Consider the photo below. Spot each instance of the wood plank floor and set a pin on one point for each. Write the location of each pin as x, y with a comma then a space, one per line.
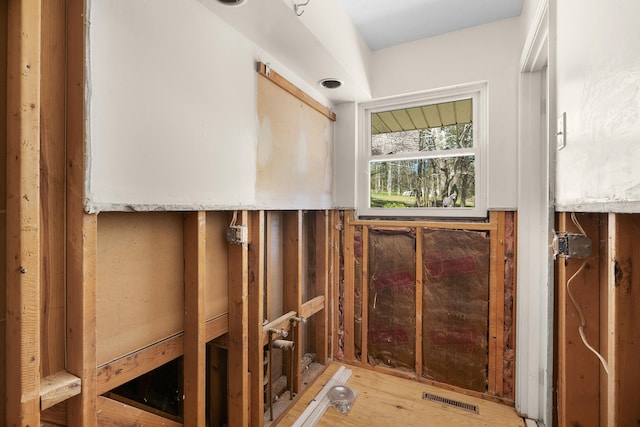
385, 400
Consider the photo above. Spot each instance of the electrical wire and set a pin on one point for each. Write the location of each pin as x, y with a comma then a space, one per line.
583, 323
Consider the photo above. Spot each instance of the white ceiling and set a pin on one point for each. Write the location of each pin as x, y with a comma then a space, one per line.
323, 42
385, 23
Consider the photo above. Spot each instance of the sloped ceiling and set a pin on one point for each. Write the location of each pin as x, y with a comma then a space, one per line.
337, 38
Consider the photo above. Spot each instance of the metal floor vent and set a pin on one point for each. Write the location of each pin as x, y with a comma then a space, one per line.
450, 402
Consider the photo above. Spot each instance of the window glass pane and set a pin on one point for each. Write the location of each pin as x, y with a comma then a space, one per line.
443, 126
423, 183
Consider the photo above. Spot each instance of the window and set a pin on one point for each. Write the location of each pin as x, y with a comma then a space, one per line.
424, 155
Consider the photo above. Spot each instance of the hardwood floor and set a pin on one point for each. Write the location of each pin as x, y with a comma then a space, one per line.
385, 400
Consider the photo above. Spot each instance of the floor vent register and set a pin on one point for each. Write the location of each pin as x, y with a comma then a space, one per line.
450, 402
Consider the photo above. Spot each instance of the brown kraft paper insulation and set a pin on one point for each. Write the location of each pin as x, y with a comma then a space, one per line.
392, 298
456, 307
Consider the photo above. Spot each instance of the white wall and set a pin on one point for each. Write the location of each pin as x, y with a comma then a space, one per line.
172, 120
598, 86
485, 53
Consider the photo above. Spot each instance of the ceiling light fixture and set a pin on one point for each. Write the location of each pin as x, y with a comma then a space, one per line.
330, 83
232, 2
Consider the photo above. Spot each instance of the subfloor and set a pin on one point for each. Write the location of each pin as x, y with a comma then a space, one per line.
385, 400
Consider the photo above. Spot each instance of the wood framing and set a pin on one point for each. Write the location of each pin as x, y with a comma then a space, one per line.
623, 319
238, 369
348, 290
496, 304
419, 301
57, 388
81, 228
292, 292
578, 370
194, 316
256, 315
364, 324
3, 204
23, 213
52, 185
321, 287
265, 71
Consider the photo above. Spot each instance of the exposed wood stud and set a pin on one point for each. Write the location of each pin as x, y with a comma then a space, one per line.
321, 285
623, 320
194, 318
238, 331
347, 304
364, 325
493, 303
23, 213
419, 300
578, 369
499, 303
256, 315
52, 185
81, 233
292, 292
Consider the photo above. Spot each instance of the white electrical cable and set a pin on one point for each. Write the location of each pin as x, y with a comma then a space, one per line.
578, 309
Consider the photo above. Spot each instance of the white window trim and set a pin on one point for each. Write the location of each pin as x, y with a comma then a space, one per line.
478, 93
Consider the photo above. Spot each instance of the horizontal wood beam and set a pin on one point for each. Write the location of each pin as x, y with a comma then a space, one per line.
285, 84
127, 368
452, 225
57, 388
312, 306
114, 413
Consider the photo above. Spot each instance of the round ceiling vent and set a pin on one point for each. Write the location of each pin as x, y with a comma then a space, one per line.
232, 2
330, 83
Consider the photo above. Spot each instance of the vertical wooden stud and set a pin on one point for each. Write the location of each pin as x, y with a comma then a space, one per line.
3, 205
624, 320
23, 213
194, 318
499, 306
322, 284
496, 303
419, 289
256, 315
292, 293
364, 327
603, 298
239, 331
81, 233
336, 249
348, 289
52, 185
578, 369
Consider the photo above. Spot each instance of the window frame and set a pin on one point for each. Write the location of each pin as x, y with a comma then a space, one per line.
477, 92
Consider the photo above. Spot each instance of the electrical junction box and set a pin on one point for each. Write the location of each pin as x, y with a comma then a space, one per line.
571, 245
238, 234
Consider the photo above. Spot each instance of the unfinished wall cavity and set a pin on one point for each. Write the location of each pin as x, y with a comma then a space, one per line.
431, 300
456, 307
391, 298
